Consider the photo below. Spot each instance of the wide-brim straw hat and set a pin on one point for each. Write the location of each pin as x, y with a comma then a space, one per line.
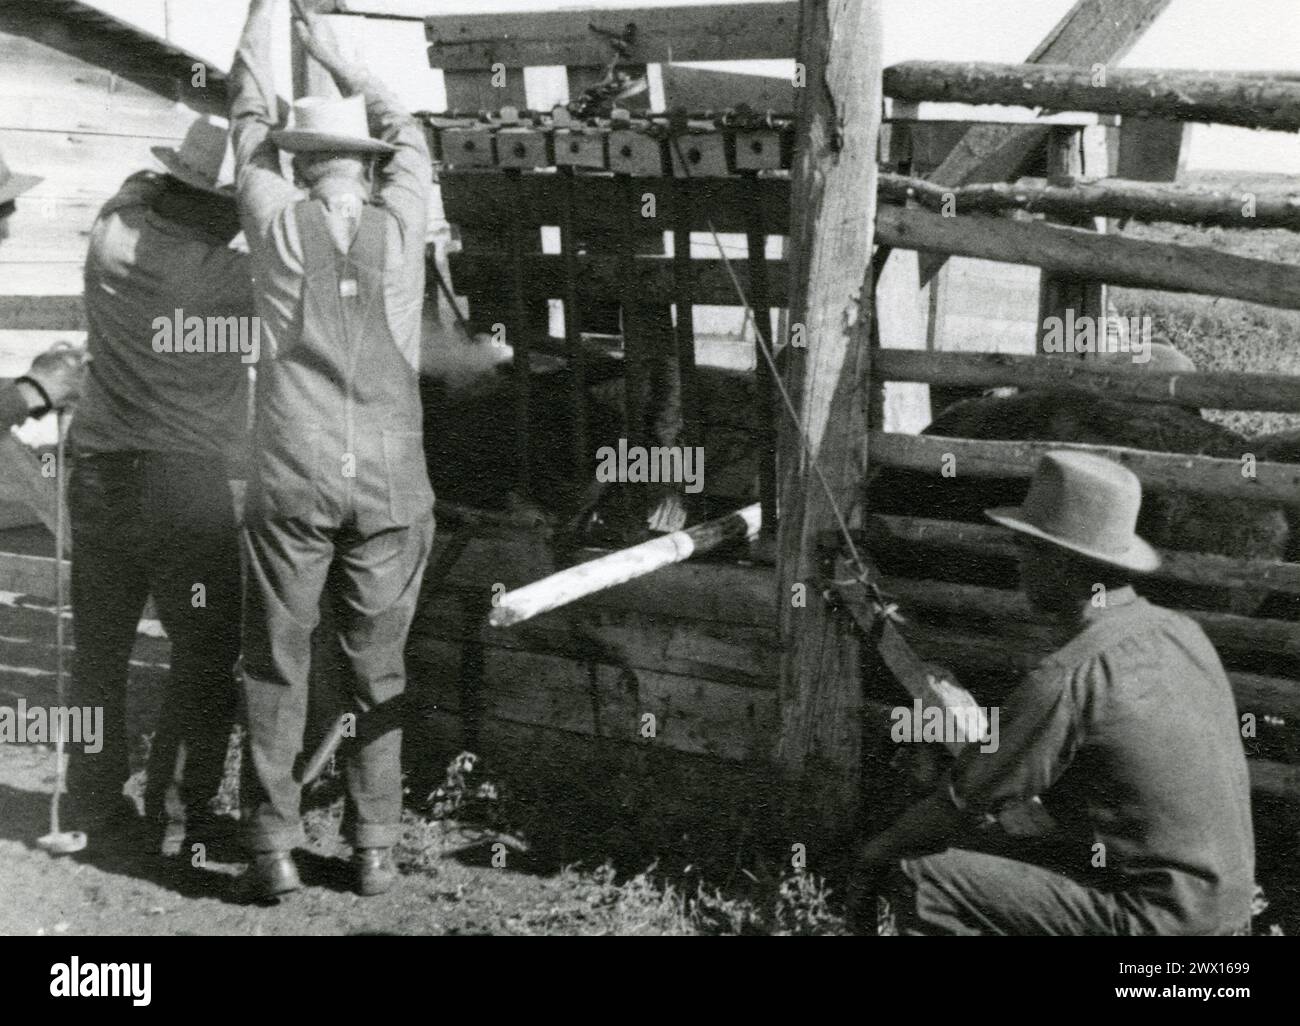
1086, 504
204, 160
12, 184
325, 125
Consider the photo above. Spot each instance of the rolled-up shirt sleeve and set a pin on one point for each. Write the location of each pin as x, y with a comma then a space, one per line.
1040, 731
406, 178
263, 190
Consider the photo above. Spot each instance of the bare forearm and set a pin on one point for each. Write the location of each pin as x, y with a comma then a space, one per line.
252, 93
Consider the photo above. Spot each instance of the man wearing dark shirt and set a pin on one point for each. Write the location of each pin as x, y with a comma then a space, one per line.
159, 437
1128, 734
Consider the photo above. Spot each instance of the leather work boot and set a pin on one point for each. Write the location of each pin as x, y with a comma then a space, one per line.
374, 870
271, 875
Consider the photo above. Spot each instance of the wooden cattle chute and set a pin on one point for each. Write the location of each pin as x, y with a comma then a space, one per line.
992, 631
711, 648
507, 177
694, 645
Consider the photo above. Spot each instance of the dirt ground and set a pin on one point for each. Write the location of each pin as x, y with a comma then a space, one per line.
448, 884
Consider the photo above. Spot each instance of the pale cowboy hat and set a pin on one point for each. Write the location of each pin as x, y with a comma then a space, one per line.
1086, 504
325, 125
204, 160
12, 184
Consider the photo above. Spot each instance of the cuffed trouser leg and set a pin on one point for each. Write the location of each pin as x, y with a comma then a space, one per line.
971, 893
378, 579
288, 562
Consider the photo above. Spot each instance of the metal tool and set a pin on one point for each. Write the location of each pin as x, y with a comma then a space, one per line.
58, 841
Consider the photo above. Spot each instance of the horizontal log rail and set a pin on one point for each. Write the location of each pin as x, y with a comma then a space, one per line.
999, 655
1142, 92
1117, 379
1105, 197
1164, 471
1086, 255
1207, 569
1229, 631
1262, 695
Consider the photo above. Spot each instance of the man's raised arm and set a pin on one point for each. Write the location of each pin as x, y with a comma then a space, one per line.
405, 178
263, 191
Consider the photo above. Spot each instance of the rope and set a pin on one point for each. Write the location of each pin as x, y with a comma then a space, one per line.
860, 565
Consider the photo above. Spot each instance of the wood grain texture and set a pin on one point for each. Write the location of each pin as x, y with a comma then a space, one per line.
1141, 92
468, 42
1092, 32
1198, 475
831, 238
1254, 575
1121, 379
1116, 260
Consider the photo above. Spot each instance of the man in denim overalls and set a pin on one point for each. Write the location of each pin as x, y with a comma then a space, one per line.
340, 498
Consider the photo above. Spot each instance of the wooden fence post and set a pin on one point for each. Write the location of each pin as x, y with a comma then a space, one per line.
1058, 296
833, 210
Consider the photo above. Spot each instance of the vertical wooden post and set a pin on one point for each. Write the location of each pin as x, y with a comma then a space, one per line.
831, 237
1057, 297
684, 297
520, 334
582, 458
764, 387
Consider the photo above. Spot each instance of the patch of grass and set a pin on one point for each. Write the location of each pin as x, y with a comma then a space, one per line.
1225, 334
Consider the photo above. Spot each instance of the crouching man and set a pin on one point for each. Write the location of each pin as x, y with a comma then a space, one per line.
1129, 734
339, 501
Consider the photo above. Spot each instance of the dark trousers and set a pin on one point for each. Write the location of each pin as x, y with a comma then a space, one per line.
161, 525
373, 581
962, 892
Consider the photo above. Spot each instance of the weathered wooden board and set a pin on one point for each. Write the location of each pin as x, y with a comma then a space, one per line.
483, 200
1117, 260
41, 313
469, 42
1147, 201
705, 89
1238, 638
1201, 475
691, 715
1257, 575
79, 53
1092, 32
1151, 149
723, 591
600, 277
738, 654
1227, 390
1142, 92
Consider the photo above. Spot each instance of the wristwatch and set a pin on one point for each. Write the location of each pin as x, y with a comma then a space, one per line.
40, 411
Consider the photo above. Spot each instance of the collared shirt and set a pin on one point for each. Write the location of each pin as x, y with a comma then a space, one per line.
1130, 734
143, 390
267, 201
